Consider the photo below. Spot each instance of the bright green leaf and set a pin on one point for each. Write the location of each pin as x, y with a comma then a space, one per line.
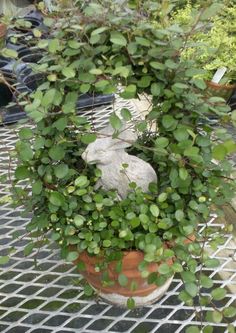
118, 39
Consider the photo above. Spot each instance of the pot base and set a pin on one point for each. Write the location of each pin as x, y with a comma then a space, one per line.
121, 300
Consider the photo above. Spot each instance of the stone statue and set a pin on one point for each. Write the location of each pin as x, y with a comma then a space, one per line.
118, 168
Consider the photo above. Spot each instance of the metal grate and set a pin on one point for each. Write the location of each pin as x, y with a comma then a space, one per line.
47, 297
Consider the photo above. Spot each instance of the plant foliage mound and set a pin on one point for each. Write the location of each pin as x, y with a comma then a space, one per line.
96, 48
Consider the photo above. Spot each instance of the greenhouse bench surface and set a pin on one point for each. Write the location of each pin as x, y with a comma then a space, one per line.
45, 296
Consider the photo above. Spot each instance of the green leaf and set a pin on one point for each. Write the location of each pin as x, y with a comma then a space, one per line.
229, 311
4, 260
84, 88
56, 198
180, 85
88, 290
183, 173
188, 276
206, 282
219, 152
101, 84
135, 222
68, 72
145, 81
155, 89
72, 256
171, 64
168, 121
179, 215
217, 316
81, 181
25, 133
54, 45
208, 329
193, 329
81, 266
90, 78
191, 289
88, 138
203, 141
99, 31
157, 65
176, 267
231, 328
192, 151
144, 218
181, 134
212, 263
55, 236
28, 249
218, 294
123, 280
162, 142
129, 92
48, 98
37, 187
60, 124
164, 269
200, 83
79, 220
115, 121
22, 172
185, 297
56, 153
37, 116
210, 11
162, 197
9, 53
126, 114
106, 243
25, 151
70, 230
130, 303
230, 146
74, 44
154, 210
143, 41
61, 170
95, 71
118, 39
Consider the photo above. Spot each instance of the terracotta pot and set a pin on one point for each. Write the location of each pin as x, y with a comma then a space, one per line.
221, 90
3, 30
116, 294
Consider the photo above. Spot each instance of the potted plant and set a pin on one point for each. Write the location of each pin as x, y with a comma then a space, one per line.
216, 53
96, 48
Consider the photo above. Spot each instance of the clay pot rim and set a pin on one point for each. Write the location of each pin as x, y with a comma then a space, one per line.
220, 86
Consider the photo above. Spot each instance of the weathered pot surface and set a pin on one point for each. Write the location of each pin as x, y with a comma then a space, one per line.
116, 294
221, 90
3, 30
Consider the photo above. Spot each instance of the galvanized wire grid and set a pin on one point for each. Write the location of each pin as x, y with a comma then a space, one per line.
47, 297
